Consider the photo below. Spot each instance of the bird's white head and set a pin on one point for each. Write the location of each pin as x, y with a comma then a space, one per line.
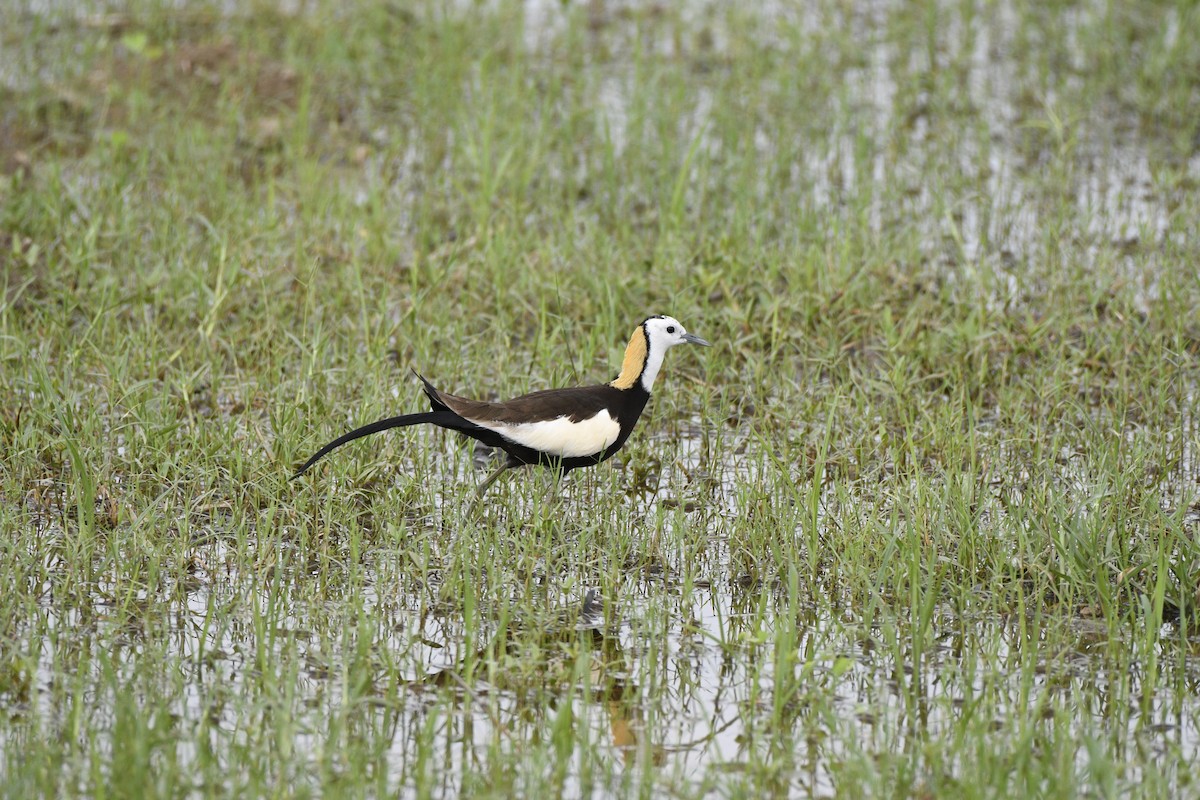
650, 342
665, 332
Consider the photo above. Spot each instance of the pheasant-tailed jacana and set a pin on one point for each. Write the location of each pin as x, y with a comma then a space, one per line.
562, 428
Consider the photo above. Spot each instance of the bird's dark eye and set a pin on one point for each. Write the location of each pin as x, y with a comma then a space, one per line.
670, 329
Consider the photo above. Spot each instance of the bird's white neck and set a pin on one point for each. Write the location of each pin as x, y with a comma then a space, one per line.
654, 360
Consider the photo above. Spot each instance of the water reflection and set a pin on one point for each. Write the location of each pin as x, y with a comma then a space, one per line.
608, 683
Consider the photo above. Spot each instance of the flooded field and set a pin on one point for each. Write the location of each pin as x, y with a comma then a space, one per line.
923, 523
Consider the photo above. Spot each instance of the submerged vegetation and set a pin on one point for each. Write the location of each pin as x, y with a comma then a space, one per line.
922, 523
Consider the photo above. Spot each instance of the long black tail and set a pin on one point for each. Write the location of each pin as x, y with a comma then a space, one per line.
436, 417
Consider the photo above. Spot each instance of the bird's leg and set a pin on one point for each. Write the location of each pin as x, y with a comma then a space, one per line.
490, 479
555, 489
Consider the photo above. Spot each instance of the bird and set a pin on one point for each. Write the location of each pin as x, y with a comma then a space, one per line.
565, 429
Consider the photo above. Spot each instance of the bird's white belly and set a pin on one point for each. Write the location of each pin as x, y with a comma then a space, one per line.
561, 437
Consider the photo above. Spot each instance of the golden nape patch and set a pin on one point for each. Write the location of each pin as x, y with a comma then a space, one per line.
634, 361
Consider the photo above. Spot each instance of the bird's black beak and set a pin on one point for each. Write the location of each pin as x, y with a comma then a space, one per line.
692, 338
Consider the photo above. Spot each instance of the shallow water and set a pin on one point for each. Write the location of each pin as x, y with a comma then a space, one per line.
676, 683
677, 673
